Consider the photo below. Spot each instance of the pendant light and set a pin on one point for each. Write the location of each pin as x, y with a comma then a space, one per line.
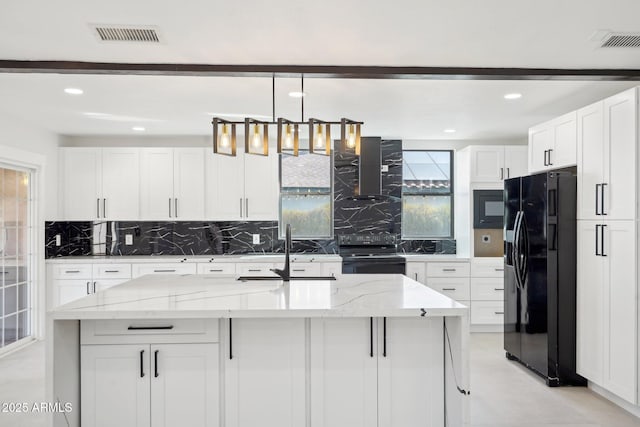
319, 137
350, 136
256, 142
224, 137
288, 139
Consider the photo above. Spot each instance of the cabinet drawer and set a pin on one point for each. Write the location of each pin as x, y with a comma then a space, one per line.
487, 269
111, 271
454, 288
306, 269
217, 268
72, 271
144, 331
262, 269
487, 289
331, 269
447, 269
487, 312
138, 270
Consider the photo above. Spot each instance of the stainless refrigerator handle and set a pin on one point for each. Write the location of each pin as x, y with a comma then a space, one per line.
597, 244
597, 192
602, 240
523, 251
514, 252
602, 198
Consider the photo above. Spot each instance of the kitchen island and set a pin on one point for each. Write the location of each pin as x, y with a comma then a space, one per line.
204, 350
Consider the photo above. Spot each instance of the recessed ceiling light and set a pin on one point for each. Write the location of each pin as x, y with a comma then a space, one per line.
73, 91
513, 96
450, 130
297, 94
138, 128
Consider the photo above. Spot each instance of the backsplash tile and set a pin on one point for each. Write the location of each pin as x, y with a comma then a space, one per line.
76, 238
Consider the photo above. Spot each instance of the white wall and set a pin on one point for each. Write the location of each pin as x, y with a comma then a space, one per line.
456, 144
136, 141
18, 134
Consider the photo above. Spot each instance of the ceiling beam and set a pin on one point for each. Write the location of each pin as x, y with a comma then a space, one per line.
319, 71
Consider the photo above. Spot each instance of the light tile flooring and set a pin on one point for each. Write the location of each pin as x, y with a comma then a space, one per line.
502, 392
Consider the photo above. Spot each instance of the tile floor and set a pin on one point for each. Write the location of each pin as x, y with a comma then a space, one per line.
503, 394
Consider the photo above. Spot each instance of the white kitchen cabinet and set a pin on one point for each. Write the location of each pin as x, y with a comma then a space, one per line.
607, 152
495, 163
244, 187
150, 385
306, 269
100, 183
141, 269
456, 288
67, 290
487, 292
553, 144
172, 182
607, 306
351, 359
216, 268
416, 270
265, 376
255, 269
331, 269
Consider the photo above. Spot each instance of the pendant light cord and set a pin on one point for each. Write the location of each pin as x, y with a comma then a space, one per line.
273, 97
302, 97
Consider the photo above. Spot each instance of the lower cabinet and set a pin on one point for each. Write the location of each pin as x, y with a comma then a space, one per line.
368, 372
264, 373
158, 385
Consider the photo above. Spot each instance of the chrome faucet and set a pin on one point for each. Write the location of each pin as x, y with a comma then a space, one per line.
285, 272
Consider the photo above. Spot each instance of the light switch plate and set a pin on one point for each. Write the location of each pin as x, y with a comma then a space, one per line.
256, 239
58, 240
128, 239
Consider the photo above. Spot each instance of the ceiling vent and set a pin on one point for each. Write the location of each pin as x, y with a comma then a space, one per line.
126, 33
621, 40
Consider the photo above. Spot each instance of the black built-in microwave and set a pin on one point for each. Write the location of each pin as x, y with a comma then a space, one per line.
488, 208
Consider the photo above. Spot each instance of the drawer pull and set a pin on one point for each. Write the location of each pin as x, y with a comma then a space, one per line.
252, 270
215, 270
299, 269
5, 272
498, 289
149, 328
165, 271
499, 312
72, 271
112, 271
499, 269
448, 289
448, 269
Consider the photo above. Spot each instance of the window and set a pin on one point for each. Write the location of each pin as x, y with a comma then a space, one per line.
305, 196
427, 194
16, 282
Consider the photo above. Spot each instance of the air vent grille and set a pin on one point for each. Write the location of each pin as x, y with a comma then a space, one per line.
127, 34
622, 40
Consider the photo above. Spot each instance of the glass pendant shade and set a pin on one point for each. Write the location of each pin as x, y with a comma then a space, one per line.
224, 137
319, 137
350, 136
255, 141
288, 141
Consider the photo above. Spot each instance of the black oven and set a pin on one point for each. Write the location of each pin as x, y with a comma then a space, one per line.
370, 254
488, 209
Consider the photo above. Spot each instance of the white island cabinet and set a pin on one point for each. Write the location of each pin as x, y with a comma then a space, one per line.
208, 350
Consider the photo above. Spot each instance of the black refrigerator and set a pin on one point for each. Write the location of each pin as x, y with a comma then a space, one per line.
540, 275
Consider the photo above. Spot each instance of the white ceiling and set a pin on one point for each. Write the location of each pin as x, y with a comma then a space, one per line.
465, 33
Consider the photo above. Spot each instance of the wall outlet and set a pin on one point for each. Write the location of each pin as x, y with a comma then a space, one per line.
128, 239
256, 239
58, 240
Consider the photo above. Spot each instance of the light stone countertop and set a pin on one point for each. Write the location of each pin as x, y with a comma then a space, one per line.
249, 258
214, 296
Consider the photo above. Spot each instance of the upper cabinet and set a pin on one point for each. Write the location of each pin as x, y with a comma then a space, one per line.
100, 183
495, 163
172, 183
607, 158
552, 145
244, 187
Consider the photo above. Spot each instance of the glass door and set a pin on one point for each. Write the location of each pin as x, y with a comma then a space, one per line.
16, 255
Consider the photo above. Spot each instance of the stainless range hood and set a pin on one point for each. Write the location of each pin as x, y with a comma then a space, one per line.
370, 169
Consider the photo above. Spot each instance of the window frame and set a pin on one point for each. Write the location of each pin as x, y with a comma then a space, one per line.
450, 194
281, 231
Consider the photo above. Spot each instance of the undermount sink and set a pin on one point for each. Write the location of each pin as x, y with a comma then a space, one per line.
247, 278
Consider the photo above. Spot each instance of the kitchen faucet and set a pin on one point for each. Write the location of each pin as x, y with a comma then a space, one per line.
285, 272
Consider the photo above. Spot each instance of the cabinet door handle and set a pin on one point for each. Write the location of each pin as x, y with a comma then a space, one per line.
384, 337
550, 164
602, 198
240, 207
597, 193
246, 207
141, 363
175, 211
94, 287
298, 269
602, 241
149, 328
499, 269
448, 289
104, 208
597, 244
169, 207
416, 274
165, 271
98, 208
499, 312
501, 173
230, 339
508, 174
498, 289
155, 363
448, 269
545, 158
112, 271
371, 337
215, 270
254, 270
72, 271
88, 288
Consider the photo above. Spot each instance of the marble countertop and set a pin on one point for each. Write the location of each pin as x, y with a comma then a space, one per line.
214, 296
195, 258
